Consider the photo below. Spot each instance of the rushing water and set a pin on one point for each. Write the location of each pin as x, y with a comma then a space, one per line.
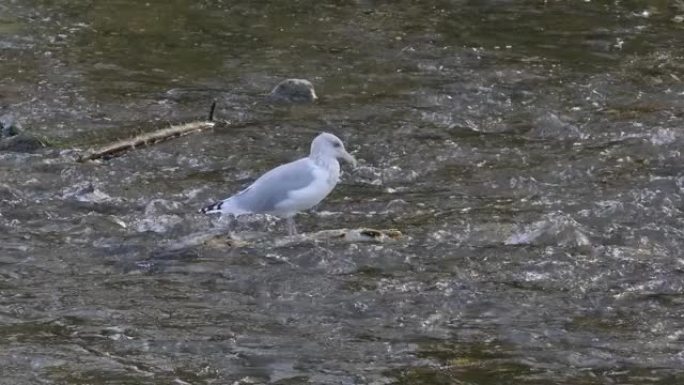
530, 152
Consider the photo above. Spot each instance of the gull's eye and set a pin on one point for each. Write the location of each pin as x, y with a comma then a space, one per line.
337, 144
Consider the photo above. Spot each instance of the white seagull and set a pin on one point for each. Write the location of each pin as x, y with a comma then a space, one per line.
293, 187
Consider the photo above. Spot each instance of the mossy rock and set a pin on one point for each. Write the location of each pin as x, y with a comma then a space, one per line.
22, 142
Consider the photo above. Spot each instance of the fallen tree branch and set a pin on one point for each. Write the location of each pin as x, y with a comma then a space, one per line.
118, 148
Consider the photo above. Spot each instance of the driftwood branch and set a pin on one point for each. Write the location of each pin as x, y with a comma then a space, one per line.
118, 148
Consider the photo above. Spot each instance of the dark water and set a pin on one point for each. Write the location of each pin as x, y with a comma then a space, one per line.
530, 151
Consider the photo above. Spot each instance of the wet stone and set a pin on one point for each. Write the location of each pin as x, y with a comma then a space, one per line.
13, 139
8, 126
551, 126
293, 91
22, 142
554, 229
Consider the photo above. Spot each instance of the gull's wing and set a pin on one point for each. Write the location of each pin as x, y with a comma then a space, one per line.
272, 188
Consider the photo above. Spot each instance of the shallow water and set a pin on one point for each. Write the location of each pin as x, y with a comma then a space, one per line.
529, 151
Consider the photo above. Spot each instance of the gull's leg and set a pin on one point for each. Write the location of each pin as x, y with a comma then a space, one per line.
231, 223
291, 229
225, 223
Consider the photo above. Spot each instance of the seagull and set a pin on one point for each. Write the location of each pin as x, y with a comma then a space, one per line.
290, 188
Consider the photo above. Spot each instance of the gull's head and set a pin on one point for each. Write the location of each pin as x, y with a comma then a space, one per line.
294, 91
328, 145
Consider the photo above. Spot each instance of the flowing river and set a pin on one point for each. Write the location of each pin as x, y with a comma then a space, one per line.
528, 151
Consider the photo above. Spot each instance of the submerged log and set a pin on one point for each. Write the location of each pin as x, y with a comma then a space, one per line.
355, 235
219, 239
118, 148
362, 235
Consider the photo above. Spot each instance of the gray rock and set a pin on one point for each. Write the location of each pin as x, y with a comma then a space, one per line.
14, 139
550, 126
556, 229
293, 91
21, 142
8, 126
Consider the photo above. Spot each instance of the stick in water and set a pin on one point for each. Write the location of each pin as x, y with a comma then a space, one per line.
211, 111
118, 148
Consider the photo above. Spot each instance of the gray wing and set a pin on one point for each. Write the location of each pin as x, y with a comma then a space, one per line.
274, 186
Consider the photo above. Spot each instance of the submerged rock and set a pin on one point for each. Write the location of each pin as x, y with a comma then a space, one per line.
22, 142
85, 192
293, 91
550, 126
12, 139
555, 230
8, 126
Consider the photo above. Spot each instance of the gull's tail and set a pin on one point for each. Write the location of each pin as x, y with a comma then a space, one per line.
212, 208
226, 206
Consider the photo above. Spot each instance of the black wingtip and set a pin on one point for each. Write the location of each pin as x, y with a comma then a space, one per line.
211, 208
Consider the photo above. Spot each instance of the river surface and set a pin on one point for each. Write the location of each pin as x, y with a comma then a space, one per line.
529, 151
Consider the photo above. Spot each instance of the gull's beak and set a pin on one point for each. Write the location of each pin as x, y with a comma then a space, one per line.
314, 97
349, 159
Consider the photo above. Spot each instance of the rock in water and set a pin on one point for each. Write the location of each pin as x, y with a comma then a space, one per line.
556, 229
293, 91
13, 139
8, 126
